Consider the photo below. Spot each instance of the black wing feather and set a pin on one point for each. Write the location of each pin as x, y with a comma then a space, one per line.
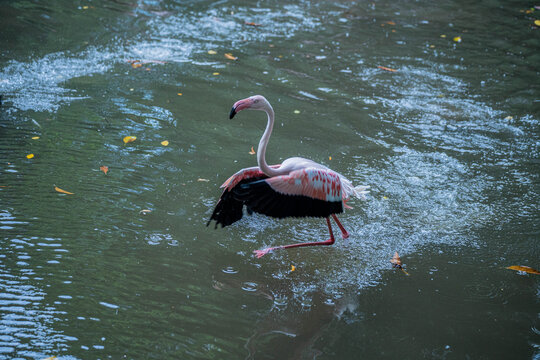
228, 210
260, 197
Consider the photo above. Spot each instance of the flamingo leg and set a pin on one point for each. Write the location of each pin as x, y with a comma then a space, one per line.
344, 233
261, 253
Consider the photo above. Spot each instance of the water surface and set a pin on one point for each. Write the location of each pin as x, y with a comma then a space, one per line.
449, 144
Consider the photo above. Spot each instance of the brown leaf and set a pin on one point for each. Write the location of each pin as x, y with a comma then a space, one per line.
62, 191
390, 22
526, 269
386, 68
396, 260
252, 151
251, 24
105, 169
230, 56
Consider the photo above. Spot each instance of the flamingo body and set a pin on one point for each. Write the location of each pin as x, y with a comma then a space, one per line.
297, 188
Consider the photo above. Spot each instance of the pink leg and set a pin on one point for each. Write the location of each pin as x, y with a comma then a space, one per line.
344, 233
261, 253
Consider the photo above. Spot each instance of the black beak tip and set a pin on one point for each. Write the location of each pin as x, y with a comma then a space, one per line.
233, 112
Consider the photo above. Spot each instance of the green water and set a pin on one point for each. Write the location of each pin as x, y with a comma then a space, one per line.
449, 144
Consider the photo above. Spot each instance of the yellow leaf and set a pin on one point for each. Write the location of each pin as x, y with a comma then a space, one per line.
457, 39
443, 36
230, 56
329, 158
537, 22
293, 268
202, 180
385, 197
212, 52
105, 169
165, 142
390, 22
297, 111
50, 358
136, 65
29, 156
252, 151
216, 73
509, 117
526, 269
179, 94
35, 137
62, 191
386, 68
129, 139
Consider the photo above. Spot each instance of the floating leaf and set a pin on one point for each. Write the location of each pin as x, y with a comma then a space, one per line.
203, 180
329, 158
386, 68
105, 169
293, 268
216, 73
457, 39
526, 269
443, 36
165, 143
145, 212
230, 56
52, 357
129, 139
537, 22
212, 52
35, 137
251, 24
390, 22
136, 65
179, 94
252, 151
396, 260
62, 191
29, 156
296, 111
509, 117
385, 197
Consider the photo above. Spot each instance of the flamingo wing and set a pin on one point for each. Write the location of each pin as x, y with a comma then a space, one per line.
306, 192
228, 209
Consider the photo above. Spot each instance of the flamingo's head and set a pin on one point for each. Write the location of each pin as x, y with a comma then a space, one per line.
255, 102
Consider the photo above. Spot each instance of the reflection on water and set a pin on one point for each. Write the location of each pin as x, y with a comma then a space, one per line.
448, 143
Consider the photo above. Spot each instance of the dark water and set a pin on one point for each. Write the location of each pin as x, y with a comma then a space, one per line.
449, 144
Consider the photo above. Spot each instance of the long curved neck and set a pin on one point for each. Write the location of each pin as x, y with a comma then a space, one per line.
261, 151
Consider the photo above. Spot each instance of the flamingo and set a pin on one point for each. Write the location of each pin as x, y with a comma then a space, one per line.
296, 188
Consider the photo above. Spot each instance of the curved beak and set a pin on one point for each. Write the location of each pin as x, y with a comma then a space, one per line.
232, 113
239, 106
